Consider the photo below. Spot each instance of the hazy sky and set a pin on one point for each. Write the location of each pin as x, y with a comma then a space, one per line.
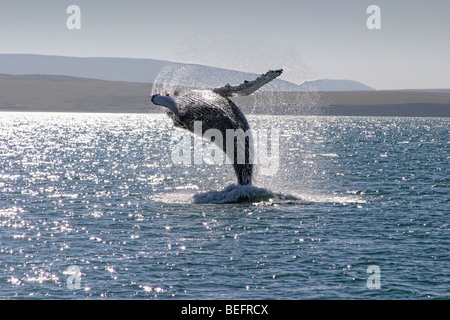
310, 39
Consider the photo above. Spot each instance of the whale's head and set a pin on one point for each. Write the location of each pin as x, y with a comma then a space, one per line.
169, 103
166, 101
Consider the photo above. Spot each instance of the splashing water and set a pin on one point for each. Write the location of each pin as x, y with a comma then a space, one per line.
177, 78
171, 78
239, 194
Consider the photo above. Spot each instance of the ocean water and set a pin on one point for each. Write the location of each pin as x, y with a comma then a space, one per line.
92, 206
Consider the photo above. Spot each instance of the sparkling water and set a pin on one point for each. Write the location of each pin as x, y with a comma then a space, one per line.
93, 207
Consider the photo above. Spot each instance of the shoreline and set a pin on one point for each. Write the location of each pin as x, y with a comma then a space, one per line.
444, 114
47, 93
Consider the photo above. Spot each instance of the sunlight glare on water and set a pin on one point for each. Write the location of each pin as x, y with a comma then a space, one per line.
96, 197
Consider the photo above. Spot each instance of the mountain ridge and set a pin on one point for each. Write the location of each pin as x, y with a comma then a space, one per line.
334, 85
148, 71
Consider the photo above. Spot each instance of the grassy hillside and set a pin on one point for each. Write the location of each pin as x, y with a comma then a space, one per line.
69, 94
62, 93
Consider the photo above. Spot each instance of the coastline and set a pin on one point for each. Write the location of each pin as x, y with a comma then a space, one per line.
48, 93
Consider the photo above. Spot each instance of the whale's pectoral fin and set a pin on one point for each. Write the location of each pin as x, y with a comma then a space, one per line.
248, 87
165, 101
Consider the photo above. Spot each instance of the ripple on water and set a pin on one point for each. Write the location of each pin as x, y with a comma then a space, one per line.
100, 193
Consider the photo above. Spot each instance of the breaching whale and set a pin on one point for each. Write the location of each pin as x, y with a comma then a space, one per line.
215, 110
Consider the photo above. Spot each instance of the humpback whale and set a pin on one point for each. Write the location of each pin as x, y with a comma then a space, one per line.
215, 110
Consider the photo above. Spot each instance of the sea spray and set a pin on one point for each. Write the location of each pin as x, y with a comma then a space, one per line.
239, 194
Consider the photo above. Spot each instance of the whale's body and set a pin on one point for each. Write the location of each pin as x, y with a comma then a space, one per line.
214, 109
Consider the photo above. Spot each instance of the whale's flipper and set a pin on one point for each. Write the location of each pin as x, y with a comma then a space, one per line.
248, 87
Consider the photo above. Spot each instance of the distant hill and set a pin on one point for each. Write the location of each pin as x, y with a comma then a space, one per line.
334, 85
55, 83
112, 69
70, 94
148, 70
130, 70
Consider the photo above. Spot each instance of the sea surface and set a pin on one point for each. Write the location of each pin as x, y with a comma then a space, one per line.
93, 206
